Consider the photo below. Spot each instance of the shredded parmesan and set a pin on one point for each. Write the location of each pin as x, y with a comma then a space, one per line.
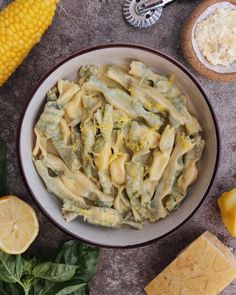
216, 37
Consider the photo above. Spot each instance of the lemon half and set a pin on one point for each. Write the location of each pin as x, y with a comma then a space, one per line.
18, 225
227, 205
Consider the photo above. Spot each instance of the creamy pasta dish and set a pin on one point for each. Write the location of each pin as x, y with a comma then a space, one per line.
119, 146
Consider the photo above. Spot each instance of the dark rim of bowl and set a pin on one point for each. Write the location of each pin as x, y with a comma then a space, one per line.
150, 50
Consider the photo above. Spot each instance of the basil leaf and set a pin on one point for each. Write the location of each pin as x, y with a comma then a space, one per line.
3, 292
38, 287
28, 265
84, 291
2, 289
11, 268
56, 272
68, 273
2, 167
71, 289
88, 258
83, 255
10, 289
44, 287
68, 253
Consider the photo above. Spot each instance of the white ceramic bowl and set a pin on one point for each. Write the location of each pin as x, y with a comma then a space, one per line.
199, 106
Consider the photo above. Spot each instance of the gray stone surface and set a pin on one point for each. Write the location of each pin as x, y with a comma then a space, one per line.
79, 24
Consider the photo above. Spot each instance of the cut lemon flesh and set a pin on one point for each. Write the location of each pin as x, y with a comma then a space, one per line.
18, 225
227, 205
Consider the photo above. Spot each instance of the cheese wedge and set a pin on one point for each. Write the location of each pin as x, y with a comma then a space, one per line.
206, 267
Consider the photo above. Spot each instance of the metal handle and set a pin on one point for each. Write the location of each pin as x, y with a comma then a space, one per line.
148, 5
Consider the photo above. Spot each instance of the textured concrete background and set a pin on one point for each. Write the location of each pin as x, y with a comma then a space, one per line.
79, 24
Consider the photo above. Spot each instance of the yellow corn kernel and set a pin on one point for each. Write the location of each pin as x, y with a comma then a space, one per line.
227, 205
22, 24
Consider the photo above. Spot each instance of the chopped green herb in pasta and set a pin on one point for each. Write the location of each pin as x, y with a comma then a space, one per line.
119, 148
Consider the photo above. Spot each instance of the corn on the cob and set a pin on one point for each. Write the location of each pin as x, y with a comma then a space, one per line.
22, 24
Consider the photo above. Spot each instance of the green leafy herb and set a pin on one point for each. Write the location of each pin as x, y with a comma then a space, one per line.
68, 272
55, 272
11, 268
83, 255
2, 167
234, 175
10, 289
72, 289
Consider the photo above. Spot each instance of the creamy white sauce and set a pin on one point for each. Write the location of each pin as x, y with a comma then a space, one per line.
210, 10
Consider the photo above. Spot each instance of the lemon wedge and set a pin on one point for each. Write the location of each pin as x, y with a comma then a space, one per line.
18, 223
227, 205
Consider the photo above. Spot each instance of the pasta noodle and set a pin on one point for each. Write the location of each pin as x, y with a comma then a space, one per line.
120, 147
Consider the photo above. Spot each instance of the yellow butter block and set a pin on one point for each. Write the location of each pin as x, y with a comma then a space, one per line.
205, 267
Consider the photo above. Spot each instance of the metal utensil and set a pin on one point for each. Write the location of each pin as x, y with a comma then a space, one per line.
143, 13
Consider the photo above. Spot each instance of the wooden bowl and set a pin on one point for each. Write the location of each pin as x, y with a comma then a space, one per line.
189, 51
